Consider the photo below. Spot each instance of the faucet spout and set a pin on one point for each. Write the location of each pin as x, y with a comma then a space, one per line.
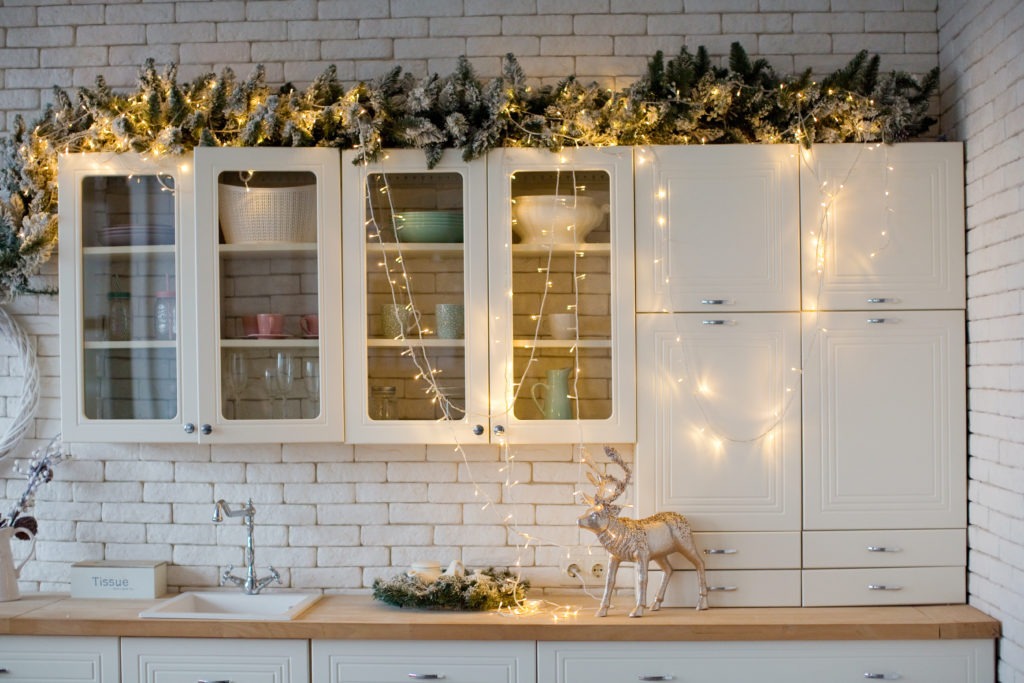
251, 584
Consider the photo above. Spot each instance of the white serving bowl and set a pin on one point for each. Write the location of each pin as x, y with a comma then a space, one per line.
555, 219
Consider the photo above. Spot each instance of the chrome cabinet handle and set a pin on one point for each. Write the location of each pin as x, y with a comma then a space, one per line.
713, 302
426, 677
713, 322
720, 551
189, 428
205, 680
881, 300
883, 587
882, 677
3, 670
884, 549
721, 589
656, 677
880, 321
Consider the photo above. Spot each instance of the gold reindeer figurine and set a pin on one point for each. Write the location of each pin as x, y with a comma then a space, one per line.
637, 540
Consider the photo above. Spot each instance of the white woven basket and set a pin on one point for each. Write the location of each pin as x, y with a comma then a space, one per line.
268, 214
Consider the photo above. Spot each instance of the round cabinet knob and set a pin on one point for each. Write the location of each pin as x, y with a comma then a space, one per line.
189, 428
478, 429
205, 430
499, 429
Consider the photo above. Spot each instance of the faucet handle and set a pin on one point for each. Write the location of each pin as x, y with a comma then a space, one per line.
226, 576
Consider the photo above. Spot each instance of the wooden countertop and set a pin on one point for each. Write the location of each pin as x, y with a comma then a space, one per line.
359, 617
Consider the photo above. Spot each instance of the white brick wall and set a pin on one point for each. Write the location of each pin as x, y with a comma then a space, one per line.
333, 516
982, 104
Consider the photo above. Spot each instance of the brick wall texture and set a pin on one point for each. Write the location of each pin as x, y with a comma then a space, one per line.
983, 105
336, 516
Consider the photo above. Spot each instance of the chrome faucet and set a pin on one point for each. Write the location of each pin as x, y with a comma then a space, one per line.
250, 584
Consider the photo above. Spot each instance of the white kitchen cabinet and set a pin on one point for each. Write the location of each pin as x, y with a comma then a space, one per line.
54, 659
156, 344
884, 420
719, 419
718, 228
355, 661
884, 586
421, 240
187, 660
947, 661
883, 226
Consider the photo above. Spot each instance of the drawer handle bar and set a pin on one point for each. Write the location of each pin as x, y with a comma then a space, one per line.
3, 670
713, 302
884, 549
426, 677
880, 321
882, 677
656, 677
881, 300
714, 322
883, 587
720, 551
721, 589
204, 680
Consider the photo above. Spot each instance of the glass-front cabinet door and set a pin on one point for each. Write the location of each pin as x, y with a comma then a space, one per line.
561, 314
268, 305
125, 350
415, 244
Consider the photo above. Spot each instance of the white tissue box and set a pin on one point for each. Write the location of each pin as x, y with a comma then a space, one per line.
124, 579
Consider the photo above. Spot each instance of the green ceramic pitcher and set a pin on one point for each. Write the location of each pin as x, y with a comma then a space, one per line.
555, 404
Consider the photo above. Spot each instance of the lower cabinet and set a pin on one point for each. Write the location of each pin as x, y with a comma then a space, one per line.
54, 659
946, 661
215, 660
453, 661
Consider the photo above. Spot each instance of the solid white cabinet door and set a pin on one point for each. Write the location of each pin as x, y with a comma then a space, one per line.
187, 660
719, 419
53, 659
718, 227
357, 661
883, 226
884, 420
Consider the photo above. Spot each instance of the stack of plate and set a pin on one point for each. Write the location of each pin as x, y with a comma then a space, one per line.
429, 226
135, 235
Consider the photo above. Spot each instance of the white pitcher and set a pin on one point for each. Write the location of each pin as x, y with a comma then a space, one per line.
9, 572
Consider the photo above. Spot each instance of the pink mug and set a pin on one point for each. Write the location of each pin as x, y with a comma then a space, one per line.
249, 325
310, 325
270, 323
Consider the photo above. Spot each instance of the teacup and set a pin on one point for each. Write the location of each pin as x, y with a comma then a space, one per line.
561, 325
310, 325
270, 323
250, 326
397, 320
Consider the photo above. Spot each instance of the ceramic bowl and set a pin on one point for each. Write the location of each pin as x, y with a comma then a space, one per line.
555, 219
429, 226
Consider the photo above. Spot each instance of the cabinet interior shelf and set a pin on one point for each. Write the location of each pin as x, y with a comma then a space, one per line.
291, 343
415, 342
134, 344
539, 249
130, 252
243, 250
415, 247
562, 343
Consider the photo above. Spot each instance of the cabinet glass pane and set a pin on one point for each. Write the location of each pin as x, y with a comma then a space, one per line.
269, 295
415, 296
129, 297
561, 285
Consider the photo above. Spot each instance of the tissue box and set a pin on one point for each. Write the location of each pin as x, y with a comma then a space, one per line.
118, 579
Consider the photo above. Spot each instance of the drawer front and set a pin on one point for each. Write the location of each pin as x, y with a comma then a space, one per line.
35, 658
754, 550
951, 661
404, 661
739, 588
187, 660
895, 586
882, 548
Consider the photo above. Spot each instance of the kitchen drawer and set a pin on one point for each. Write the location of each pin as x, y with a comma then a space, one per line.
357, 661
886, 548
753, 550
729, 588
55, 659
884, 586
187, 660
951, 661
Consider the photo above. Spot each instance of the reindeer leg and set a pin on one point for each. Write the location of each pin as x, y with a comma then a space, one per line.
609, 586
666, 567
641, 584
688, 549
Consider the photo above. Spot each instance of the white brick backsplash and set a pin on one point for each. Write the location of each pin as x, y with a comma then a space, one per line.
397, 534
124, 470
489, 513
394, 28
324, 535
100, 492
352, 472
576, 45
373, 493
153, 513
491, 556
40, 37
188, 492
463, 493
290, 473
390, 454
421, 472
208, 472
337, 555
537, 25
362, 513
491, 45
109, 532
424, 513
327, 578
470, 534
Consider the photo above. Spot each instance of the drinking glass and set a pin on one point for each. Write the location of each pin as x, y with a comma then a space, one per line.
311, 375
236, 377
279, 379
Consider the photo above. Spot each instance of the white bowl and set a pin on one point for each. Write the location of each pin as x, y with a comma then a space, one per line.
555, 219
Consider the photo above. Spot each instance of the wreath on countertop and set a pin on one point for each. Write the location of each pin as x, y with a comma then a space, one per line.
682, 100
483, 590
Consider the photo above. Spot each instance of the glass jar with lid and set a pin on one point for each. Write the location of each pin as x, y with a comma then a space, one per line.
382, 403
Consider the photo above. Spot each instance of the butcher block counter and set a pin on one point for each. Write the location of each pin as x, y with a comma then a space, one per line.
359, 617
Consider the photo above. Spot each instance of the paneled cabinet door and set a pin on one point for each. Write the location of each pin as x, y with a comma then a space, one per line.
883, 226
561, 318
718, 228
416, 342
354, 661
719, 419
126, 236
187, 660
53, 659
884, 420
268, 302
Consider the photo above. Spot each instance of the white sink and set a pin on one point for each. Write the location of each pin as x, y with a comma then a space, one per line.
263, 607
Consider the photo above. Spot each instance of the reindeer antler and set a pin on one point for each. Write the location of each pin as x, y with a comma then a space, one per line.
620, 484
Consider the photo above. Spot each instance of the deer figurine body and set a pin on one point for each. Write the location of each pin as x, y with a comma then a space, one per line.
641, 541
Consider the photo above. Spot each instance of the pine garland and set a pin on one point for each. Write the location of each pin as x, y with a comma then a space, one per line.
486, 590
684, 100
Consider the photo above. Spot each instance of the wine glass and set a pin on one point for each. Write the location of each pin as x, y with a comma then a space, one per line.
279, 379
236, 377
311, 376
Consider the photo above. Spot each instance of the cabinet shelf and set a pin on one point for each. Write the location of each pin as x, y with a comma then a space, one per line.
415, 247
562, 343
288, 342
267, 249
129, 252
585, 248
414, 342
134, 344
